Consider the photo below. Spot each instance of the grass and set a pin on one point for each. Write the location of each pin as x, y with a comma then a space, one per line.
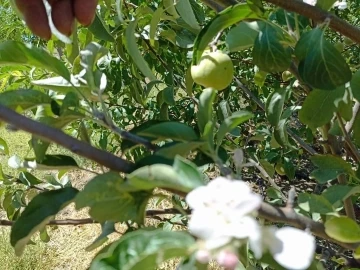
66, 248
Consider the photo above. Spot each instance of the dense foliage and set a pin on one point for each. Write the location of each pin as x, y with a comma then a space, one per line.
121, 94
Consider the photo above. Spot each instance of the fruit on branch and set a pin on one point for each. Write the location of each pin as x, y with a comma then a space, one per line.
279, 168
215, 69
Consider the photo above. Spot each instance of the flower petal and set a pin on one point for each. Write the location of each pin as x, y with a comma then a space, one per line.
296, 250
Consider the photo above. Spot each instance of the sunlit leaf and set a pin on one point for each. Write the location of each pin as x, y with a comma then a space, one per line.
321, 64
110, 198
343, 229
99, 30
329, 167
14, 53
37, 214
243, 35
132, 48
319, 107
270, 53
143, 249
222, 20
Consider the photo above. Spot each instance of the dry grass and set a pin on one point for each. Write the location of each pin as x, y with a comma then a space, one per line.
66, 248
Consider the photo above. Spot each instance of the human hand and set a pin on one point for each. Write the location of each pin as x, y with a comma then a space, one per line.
63, 14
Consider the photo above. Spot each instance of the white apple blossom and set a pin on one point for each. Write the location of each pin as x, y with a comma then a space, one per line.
291, 248
310, 2
225, 195
224, 216
340, 5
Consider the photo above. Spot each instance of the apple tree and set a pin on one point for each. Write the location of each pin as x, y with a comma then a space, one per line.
243, 115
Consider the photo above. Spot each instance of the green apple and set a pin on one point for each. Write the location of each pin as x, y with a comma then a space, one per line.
279, 168
215, 70
286, 75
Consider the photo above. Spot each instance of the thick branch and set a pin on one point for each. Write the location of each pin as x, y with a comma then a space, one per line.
51, 134
314, 13
319, 15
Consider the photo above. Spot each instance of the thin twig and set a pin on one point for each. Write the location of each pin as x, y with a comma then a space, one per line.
291, 198
265, 174
356, 110
347, 138
296, 138
336, 149
149, 213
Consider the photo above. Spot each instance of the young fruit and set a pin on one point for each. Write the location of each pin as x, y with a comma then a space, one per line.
279, 168
215, 69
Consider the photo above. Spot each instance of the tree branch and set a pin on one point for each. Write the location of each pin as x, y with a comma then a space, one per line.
51, 134
289, 216
296, 138
272, 213
149, 213
316, 14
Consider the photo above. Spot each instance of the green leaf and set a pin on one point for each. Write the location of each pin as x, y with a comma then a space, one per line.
344, 105
355, 85
321, 64
182, 149
88, 59
4, 149
329, 167
41, 209
232, 122
169, 6
280, 133
222, 20
325, 4
163, 176
268, 167
289, 168
132, 48
269, 53
356, 130
107, 228
205, 110
61, 85
155, 20
319, 107
40, 146
168, 95
275, 105
143, 249
99, 30
343, 229
337, 193
14, 53
170, 130
188, 173
55, 162
313, 203
110, 198
243, 35
186, 12
28, 179
23, 99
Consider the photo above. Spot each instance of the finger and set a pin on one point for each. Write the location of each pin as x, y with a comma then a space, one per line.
35, 17
85, 11
63, 16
